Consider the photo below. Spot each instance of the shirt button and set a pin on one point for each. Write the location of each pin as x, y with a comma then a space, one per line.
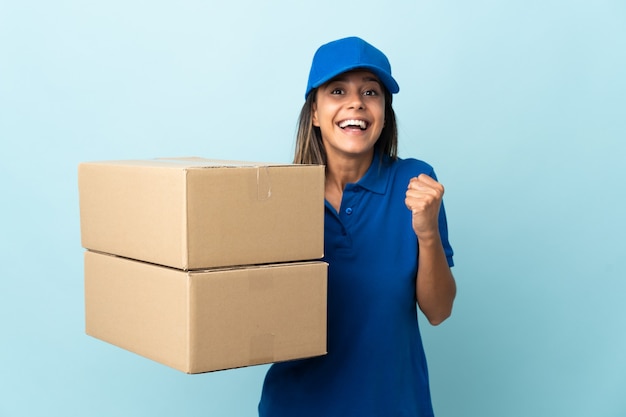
349, 211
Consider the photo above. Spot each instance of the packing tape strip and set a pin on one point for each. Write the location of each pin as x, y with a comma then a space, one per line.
263, 182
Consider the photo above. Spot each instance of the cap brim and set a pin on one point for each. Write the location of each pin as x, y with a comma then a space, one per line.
388, 81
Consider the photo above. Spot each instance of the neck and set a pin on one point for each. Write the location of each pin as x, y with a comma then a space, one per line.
342, 171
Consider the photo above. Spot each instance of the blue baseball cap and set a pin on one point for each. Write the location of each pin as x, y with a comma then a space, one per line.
347, 54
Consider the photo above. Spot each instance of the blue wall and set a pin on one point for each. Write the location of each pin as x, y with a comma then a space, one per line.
519, 105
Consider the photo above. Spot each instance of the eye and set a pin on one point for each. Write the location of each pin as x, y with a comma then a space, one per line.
336, 90
370, 93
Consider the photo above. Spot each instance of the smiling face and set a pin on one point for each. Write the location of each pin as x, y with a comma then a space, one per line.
350, 112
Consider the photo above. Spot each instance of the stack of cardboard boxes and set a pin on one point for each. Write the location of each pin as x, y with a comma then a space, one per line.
205, 265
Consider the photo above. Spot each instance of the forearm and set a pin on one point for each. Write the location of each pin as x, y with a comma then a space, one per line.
435, 285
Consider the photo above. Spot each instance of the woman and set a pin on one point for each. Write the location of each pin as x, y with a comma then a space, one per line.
386, 243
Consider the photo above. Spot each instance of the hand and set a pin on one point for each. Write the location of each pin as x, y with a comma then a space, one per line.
423, 198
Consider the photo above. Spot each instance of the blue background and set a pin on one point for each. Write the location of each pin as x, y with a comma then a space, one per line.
519, 105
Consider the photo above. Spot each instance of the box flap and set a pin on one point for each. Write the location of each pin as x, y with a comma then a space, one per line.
187, 163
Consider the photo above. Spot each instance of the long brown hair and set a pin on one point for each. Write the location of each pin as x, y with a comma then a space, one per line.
309, 145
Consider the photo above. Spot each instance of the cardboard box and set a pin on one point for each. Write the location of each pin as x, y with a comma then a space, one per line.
194, 213
201, 321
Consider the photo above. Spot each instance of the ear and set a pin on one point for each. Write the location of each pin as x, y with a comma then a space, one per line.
316, 122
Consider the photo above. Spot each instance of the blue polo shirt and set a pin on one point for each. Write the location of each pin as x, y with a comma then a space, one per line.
375, 364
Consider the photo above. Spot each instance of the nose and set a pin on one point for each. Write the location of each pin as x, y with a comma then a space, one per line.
355, 100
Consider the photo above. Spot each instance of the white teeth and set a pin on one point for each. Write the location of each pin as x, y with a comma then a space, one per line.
358, 123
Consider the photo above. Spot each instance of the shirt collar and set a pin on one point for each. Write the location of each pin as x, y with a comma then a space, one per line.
376, 177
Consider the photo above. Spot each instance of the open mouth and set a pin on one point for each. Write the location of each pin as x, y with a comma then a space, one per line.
353, 124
